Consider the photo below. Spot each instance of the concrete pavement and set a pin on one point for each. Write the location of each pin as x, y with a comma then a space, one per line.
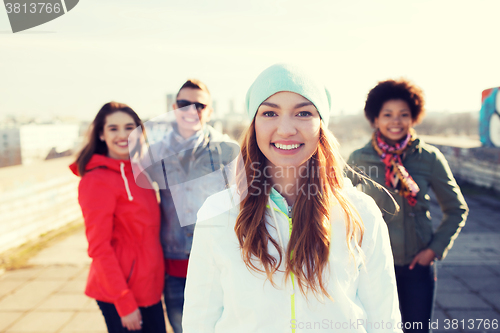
48, 296
468, 289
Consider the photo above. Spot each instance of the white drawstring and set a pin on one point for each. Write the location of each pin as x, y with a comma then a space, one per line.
154, 185
122, 169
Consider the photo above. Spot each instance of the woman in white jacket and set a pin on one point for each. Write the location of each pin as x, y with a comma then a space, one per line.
301, 250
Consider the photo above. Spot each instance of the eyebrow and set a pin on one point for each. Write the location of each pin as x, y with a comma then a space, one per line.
114, 125
272, 105
386, 109
298, 106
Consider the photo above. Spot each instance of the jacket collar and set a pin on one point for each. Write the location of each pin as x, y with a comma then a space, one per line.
102, 161
370, 151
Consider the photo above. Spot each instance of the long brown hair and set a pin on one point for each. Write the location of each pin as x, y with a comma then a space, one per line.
95, 145
310, 237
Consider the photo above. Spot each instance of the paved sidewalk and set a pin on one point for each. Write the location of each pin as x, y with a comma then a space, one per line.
468, 288
48, 296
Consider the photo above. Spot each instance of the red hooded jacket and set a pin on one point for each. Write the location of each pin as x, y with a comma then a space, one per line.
122, 222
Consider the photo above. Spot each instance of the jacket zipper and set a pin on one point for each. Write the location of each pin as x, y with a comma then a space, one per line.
292, 276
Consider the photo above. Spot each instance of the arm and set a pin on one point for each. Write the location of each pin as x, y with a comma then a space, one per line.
98, 202
203, 297
452, 204
351, 172
377, 283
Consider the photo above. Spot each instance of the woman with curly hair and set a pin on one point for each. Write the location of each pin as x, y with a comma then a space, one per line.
292, 247
407, 167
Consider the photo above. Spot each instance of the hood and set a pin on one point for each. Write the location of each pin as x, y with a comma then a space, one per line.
165, 147
213, 135
97, 161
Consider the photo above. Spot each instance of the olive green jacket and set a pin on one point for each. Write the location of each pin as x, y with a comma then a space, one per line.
410, 229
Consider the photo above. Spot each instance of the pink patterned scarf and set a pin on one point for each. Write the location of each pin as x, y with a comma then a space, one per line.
396, 176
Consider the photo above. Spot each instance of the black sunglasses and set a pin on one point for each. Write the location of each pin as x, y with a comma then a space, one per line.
182, 103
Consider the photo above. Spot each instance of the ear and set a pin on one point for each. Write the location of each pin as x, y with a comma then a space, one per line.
174, 106
375, 123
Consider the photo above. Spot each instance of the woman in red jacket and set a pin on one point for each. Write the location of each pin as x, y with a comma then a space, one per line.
122, 222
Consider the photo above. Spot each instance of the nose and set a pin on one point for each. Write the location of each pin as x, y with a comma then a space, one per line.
123, 134
396, 119
192, 109
286, 127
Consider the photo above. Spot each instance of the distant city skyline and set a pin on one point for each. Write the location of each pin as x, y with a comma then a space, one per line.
138, 52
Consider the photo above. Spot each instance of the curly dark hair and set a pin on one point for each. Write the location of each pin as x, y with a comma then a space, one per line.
401, 89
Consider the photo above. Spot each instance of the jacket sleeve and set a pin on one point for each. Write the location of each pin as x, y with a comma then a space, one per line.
377, 289
203, 296
98, 201
452, 204
351, 171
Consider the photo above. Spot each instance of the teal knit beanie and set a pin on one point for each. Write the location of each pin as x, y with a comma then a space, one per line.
286, 77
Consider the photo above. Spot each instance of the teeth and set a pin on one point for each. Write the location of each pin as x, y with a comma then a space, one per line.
191, 120
286, 147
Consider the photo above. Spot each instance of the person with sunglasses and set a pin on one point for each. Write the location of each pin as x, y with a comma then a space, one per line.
190, 156
192, 108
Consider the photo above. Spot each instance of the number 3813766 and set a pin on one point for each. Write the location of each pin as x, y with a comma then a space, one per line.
470, 324
33, 8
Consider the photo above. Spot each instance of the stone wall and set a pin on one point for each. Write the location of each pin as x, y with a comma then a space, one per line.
479, 166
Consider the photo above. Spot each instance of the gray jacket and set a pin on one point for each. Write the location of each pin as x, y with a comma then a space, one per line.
411, 230
186, 179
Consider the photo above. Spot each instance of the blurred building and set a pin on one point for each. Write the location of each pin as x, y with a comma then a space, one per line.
170, 101
215, 114
231, 107
10, 145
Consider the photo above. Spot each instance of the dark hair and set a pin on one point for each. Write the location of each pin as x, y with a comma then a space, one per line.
401, 89
95, 145
194, 84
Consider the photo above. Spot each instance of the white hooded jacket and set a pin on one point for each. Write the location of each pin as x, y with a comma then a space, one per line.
223, 295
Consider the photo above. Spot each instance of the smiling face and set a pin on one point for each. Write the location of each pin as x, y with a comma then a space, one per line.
394, 120
287, 128
189, 119
117, 128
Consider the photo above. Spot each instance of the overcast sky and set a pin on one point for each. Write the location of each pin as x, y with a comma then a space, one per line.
138, 51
